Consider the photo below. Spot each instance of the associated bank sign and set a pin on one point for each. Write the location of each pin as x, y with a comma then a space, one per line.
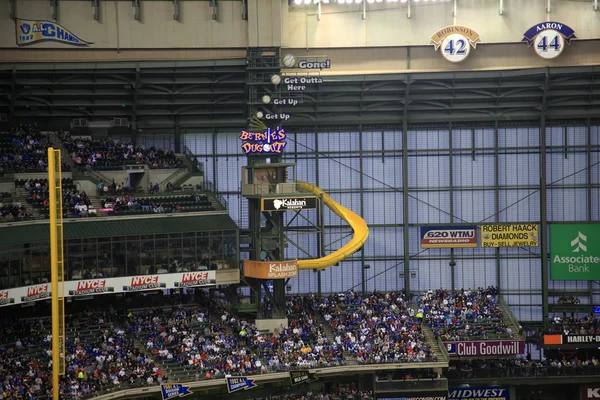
575, 252
28, 32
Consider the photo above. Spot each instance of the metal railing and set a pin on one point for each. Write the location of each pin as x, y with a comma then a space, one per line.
523, 372
196, 165
412, 384
511, 317
211, 188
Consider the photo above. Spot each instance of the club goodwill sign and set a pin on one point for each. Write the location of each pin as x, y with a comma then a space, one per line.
485, 348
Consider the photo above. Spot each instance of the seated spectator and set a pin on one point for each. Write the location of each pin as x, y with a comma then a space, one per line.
464, 314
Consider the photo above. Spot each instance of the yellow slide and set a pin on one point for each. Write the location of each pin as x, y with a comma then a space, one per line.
359, 226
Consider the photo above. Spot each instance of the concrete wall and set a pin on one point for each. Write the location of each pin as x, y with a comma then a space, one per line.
274, 23
117, 27
381, 60
387, 24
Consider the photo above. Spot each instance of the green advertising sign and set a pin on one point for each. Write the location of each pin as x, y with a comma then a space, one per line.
575, 252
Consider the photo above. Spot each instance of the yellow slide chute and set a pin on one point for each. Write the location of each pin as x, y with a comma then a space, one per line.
358, 225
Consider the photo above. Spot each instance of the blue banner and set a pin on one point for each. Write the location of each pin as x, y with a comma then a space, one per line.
486, 393
563, 29
174, 390
238, 383
29, 32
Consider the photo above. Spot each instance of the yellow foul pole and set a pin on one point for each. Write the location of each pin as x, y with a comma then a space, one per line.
56, 269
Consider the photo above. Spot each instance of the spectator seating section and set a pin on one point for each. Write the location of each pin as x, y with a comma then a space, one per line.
464, 314
12, 210
108, 154
109, 350
376, 329
130, 205
75, 204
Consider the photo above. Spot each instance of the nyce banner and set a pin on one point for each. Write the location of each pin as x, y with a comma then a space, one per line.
29, 32
300, 377
238, 383
174, 390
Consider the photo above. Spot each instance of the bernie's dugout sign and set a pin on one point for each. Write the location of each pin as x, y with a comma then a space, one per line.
444, 237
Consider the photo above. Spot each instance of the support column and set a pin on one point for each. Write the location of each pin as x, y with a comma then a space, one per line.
406, 229
543, 204
452, 263
497, 198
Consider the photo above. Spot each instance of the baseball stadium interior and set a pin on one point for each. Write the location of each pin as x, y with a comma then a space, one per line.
300, 199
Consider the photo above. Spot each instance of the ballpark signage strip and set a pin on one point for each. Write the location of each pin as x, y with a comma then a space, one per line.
428, 395
300, 377
548, 38
488, 393
590, 392
29, 32
173, 391
289, 204
270, 269
509, 235
483, 348
439, 237
455, 41
572, 341
89, 287
239, 382
575, 252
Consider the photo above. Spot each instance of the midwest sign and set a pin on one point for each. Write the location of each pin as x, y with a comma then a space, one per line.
484, 348
575, 252
485, 393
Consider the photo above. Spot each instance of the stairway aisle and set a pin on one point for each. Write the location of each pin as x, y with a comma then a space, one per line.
430, 339
350, 360
57, 144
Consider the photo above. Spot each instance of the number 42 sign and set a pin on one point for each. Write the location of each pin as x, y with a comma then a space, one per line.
455, 42
548, 38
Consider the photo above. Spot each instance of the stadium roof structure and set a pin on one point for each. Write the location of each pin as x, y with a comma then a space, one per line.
214, 94
117, 227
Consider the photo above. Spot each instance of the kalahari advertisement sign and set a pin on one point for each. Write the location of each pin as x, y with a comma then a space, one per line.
270, 269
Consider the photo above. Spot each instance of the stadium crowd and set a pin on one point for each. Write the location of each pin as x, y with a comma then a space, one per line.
93, 364
108, 154
339, 393
464, 314
523, 367
376, 329
24, 149
13, 211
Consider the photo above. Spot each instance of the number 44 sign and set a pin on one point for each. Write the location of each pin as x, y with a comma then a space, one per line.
455, 41
548, 38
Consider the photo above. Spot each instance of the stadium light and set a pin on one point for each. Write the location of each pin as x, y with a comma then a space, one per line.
297, 2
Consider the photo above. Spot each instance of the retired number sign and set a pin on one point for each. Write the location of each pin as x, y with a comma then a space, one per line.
549, 38
455, 42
